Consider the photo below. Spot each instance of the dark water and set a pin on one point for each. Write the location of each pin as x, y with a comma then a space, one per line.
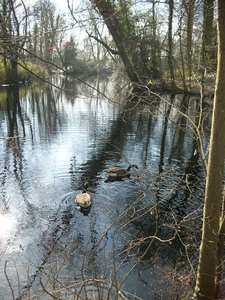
47, 246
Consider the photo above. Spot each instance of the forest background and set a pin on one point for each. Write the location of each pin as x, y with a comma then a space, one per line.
171, 44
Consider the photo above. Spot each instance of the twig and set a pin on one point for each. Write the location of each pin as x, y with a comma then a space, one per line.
7, 278
50, 294
9, 137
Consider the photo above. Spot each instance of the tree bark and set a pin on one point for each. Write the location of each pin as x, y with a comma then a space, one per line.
207, 49
209, 251
109, 15
189, 32
170, 44
208, 31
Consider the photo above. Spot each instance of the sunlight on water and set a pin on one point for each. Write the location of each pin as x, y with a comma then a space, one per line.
6, 224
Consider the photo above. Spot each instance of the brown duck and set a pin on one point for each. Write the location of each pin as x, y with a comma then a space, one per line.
118, 172
83, 199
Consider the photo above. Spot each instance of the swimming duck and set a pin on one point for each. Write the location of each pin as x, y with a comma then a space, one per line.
118, 172
83, 199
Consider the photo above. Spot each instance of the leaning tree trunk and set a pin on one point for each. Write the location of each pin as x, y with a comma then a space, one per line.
109, 15
206, 283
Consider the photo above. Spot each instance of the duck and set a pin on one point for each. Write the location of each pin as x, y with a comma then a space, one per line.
83, 199
118, 172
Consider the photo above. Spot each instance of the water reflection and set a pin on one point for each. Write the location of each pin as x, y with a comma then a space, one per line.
84, 210
70, 137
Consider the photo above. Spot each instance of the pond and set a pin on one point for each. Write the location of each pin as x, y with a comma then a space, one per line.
139, 237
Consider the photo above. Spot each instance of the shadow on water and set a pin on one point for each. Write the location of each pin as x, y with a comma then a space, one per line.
134, 227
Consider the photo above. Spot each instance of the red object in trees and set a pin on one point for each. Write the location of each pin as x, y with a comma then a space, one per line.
58, 46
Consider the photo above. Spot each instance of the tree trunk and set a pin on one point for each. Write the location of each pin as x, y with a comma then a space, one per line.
208, 257
109, 15
13, 74
181, 36
156, 73
207, 38
170, 44
189, 31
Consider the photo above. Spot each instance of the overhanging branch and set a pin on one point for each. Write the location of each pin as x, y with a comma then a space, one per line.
104, 44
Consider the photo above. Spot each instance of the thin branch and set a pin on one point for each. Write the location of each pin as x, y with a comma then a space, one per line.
7, 278
104, 44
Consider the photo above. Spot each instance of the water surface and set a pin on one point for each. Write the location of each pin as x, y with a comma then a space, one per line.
66, 139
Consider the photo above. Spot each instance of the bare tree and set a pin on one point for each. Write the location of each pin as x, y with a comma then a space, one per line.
170, 43
210, 259
208, 52
189, 8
